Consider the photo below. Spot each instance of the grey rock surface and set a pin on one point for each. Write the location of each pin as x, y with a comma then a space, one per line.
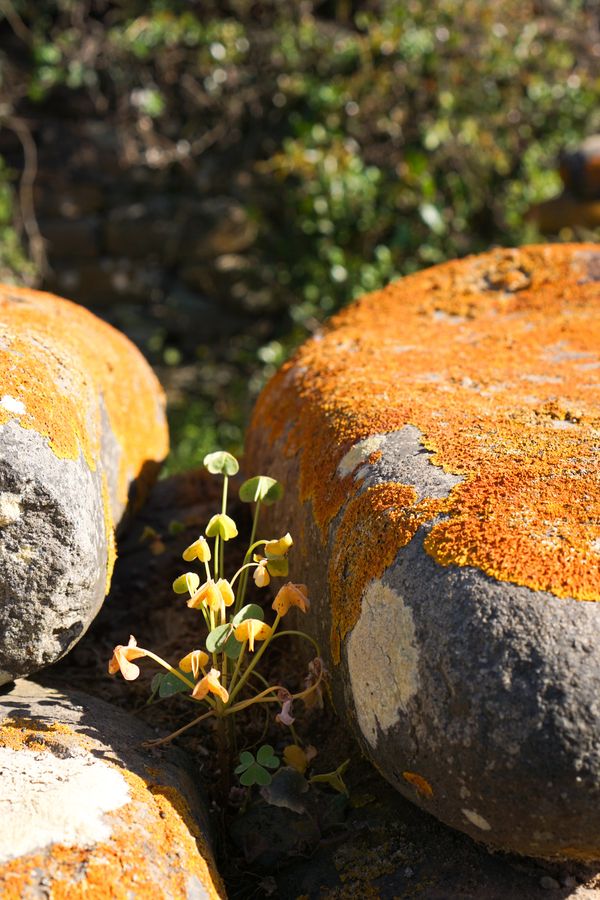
68, 469
53, 551
84, 804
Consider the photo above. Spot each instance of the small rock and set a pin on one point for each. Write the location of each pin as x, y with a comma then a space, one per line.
82, 430
548, 883
86, 813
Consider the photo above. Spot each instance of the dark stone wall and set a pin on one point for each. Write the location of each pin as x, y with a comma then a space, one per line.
162, 249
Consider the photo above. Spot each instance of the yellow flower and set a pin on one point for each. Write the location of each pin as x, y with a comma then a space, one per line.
226, 591
222, 525
121, 660
198, 550
210, 684
291, 595
252, 630
215, 595
261, 575
188, 582
193, 662
295, 757
280, 547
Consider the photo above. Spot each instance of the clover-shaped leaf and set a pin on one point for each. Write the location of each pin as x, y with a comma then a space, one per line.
222, 640
254, 770
221, 463
171, 685
187, 583
261, 488
251, 611
223, 526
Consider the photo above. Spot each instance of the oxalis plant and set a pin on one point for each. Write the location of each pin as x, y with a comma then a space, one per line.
223, 676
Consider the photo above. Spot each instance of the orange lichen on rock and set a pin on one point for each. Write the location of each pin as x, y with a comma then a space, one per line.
19, 733
109, 530
495, 359
155, 848
421, 784
387, 510
61, 368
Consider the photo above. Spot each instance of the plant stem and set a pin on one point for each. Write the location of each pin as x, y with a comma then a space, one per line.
170, 737
244, 581
216, 559
169, 668
224, 756
237, 667
224, 512
300, 634
256, 659
240, 570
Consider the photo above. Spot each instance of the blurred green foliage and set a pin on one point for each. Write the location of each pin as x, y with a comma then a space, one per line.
375, 138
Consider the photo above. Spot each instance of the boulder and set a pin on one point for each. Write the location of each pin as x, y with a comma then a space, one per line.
439, 447
82, 430
86, 813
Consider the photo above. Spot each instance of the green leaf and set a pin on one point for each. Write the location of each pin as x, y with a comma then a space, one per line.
246, 759
262, 488
221, 463
251, 611
170, 684
222, 640
255, 774
266, 757
190, 582
277, 566
223, 526
156, 682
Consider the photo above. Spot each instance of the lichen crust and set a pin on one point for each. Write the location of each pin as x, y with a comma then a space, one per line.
155, 848
495, 359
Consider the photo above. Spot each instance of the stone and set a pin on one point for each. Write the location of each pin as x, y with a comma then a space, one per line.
565, 211
82, 433
580, 169
217, 226
66, 198
87, 813
140, 229
71, 238
438, 443
106, 281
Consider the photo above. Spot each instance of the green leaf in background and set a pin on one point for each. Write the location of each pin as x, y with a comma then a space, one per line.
262, 488
221, 463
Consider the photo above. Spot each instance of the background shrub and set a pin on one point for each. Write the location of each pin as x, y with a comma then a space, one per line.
362, 140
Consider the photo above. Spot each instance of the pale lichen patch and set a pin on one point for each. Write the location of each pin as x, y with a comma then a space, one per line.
48, 800
12, 405
383, 660
10, 508
477, 820
359, 454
